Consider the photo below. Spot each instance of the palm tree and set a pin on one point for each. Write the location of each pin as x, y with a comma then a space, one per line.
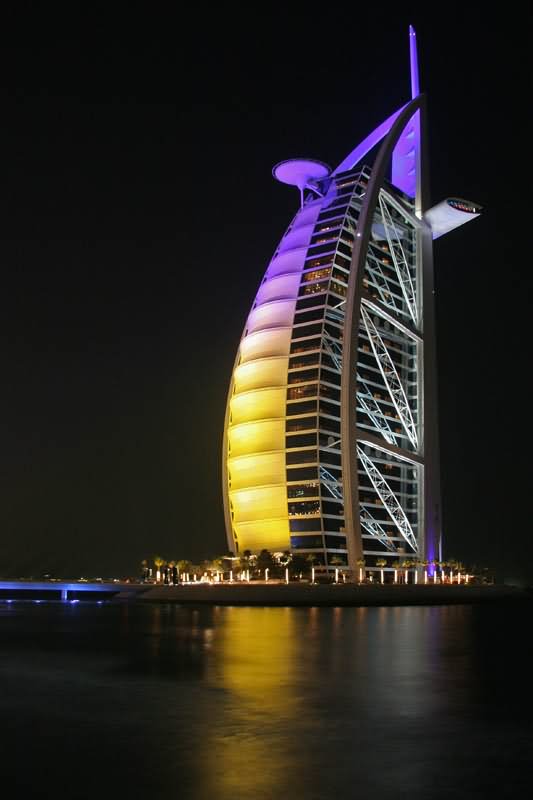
219, 564
381, 562
360, 563
406, 563
144, 569
159, 562
454, 567
312, 559
265, 561
184, 566
396, 565
244, 561
337, 562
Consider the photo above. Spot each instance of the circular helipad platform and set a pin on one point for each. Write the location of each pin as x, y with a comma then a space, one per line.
299, 171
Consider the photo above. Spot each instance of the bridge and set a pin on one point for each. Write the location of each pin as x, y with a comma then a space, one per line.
69, 591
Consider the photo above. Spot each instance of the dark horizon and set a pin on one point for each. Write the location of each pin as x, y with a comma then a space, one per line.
139, 216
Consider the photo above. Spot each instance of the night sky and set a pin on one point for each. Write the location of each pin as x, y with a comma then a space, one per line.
139, 214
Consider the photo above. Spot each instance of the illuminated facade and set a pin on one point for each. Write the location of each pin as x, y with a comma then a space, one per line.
330, 439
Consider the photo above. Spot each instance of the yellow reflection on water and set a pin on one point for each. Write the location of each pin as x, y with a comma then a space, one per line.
256, 652
257, 647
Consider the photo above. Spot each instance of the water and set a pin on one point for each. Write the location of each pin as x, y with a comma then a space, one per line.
429, 702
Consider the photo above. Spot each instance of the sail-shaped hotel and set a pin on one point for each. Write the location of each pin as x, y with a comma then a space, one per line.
330, 439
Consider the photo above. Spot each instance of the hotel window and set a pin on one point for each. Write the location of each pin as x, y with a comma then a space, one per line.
330, 215
302, 474
301, 456
333, 524
318, 249
296, 362
305, 331
293, 409
339, 289
323, 238
328, 440
303, 376
329, 507
335, 542
331, 377
304, 346
303, 490
307, 543
305, 525
329, 408
339, 275
305, 508
301, 440
330, 392
329, 425
295, 392
310, 316
330, 457
342, 262
344, 248
317, 274
313, 263
313, 288
300, 424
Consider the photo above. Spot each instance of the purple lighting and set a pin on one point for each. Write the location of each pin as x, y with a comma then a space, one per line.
301, 172
415, 86
405, 155
367, 144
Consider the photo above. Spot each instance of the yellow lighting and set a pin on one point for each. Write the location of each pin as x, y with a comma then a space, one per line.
260, 503
263, 344
255, 475
261, 374
256, 405
257, 437
272, 534
257, 470
255, 672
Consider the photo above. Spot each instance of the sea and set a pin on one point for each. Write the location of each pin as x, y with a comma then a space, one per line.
159, 700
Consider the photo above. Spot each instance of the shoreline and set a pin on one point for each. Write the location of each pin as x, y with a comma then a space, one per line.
308, 595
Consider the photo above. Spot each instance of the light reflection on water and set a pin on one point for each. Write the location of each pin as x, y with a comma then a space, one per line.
264, 702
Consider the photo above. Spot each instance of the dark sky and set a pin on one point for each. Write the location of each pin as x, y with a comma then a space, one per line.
138, 216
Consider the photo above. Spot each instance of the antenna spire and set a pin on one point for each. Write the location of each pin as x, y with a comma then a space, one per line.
415, 86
